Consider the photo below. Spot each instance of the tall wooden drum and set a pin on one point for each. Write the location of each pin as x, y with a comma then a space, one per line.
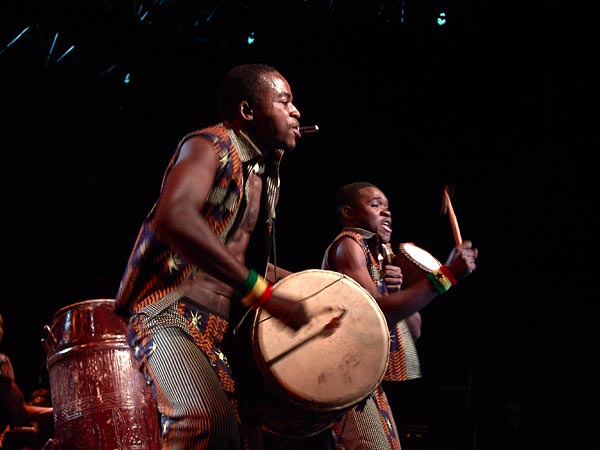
100, 399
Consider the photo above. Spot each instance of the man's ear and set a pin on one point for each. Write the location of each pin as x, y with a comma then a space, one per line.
347, 213
246, 110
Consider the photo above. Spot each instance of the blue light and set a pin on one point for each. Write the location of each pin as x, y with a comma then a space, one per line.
441, 20
127, 78
251, 38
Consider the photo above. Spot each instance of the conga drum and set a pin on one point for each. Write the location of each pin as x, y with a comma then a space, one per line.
415, 262
100, 399
314, 375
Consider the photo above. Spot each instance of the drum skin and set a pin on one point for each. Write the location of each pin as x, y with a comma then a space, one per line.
314, 375
100, 399
415, 263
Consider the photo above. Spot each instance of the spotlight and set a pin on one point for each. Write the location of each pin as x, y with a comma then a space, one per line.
441, 20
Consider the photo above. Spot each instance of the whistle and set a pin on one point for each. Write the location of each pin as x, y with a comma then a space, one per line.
309, 129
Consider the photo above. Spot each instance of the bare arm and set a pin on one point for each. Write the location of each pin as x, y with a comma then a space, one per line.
402, 304
347, 257
179, 222
12, 400
414, 325
178, 219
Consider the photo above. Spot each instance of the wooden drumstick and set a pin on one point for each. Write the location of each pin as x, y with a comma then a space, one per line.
447, 208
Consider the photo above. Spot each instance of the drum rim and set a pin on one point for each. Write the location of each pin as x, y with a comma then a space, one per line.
411, 258
83, 303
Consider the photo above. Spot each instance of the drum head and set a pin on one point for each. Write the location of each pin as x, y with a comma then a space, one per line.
323, 366
421, 258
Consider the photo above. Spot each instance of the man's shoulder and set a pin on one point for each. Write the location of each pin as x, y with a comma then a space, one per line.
216, 133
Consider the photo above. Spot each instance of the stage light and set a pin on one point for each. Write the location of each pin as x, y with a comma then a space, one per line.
441, 20
250, 39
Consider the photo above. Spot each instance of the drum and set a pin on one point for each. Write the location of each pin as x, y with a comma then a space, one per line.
100, 399
415, 262
314, 375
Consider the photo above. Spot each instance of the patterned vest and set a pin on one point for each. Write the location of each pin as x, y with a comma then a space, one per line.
154, 270
404, 361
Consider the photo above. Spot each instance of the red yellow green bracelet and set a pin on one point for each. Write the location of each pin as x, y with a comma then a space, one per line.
255, 291
442, 279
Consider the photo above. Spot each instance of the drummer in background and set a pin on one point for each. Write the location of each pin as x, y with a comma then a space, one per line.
359, 252
202, 260
13, 407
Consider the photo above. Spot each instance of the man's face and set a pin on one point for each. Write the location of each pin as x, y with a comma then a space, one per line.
276, 119
371, 213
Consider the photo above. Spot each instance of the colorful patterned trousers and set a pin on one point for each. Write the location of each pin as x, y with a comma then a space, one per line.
179, 349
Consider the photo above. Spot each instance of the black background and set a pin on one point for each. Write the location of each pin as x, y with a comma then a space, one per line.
499, 104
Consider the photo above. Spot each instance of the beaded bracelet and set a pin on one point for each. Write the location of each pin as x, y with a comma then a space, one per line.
442, 279
255, 291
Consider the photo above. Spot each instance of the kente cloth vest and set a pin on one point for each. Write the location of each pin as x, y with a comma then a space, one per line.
154, 270
403, 361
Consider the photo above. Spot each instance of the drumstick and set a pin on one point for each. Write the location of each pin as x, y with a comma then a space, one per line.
447, 207
327, 330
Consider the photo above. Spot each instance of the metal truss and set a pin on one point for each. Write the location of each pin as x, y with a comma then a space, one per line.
100, 38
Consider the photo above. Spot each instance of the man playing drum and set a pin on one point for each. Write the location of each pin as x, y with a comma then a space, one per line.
190, 267
360, 252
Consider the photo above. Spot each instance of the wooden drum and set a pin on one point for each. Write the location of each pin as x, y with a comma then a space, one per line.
100, 399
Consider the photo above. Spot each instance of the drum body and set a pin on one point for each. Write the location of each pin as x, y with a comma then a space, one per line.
415, 263
316, 374
100, 399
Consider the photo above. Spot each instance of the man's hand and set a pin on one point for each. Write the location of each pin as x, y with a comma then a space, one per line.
461, 260
291, 312
393, 277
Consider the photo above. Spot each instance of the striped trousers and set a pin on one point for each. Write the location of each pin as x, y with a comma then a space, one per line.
368, 426
179, 349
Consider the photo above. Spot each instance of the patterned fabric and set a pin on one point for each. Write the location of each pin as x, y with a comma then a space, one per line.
179, 352
208, 331
154, 270
370, 425
362, 238
179, 346
403, 362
